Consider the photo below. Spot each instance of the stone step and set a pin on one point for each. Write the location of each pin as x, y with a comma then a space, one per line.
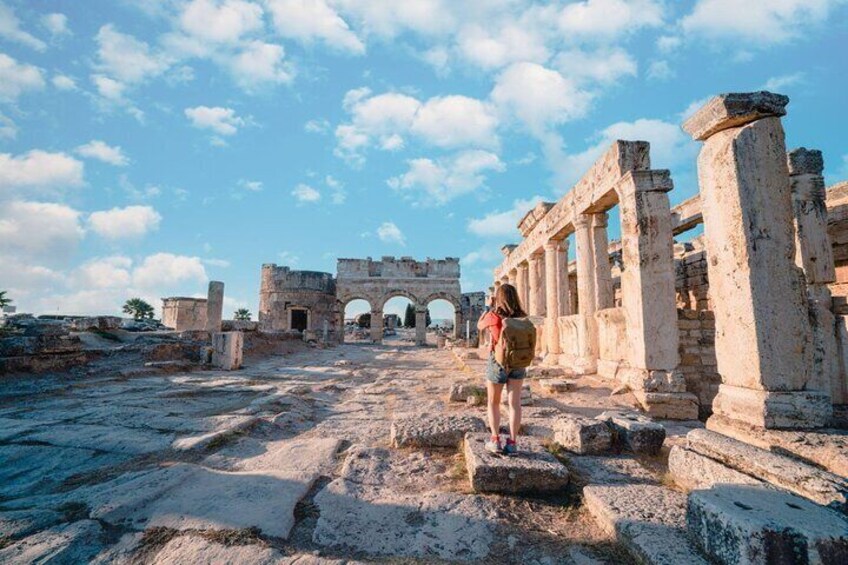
649, 520
782, 471
433, 431
758, 526
635, 432
691, 470
582, 435
532, 470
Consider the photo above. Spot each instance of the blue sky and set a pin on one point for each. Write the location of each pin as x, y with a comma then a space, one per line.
149, 146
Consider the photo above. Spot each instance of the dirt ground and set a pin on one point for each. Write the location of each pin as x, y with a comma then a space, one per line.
285, 461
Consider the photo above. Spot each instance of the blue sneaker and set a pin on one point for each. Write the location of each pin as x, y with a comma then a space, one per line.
510, 448
494, 445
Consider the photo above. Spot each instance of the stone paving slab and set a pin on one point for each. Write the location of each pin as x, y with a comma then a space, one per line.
759, 526
113, 439
426, 430
533, 469
692, 470
65, 544
649, 520
785, 472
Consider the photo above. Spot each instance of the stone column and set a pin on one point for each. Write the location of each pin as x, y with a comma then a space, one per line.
764, 343
588, 329
214, 306
512, 277
340, 324
458, 324
814, 254
648, 297
552, 296
536, 286
376, 326
562, 279
604, 296
522, 283
420, 325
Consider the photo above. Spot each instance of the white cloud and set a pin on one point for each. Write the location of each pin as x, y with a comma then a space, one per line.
310, 20
125, 223
388, 19
453, 121
539, 97
104, 272
8, 128
39, 229
605, 65
10, 29
221, 22
17, 78
778, 83
305, 193
64, 82
502, 223
56, 24
96, 149
288, 258
667, 44
259, 64
222, 121
430, 182
125, 59
494, 48
762, 22
222, 263
388, 232
317, 126
39, 172
660, 70
607, 19
338, 193
164, 269
250, 185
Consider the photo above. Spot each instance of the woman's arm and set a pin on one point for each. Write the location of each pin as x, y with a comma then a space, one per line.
485, 321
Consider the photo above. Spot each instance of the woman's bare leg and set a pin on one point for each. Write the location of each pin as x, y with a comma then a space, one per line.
493, 397
514, 398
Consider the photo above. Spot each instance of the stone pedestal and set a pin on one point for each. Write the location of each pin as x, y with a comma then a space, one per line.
534, 470
421, 326
764, 341
227, 349
377, 326
214, 306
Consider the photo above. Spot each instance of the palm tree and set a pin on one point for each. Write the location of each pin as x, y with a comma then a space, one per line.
3, 300
242, 314
138, 309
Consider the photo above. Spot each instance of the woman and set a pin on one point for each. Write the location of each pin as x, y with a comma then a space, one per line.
504, 305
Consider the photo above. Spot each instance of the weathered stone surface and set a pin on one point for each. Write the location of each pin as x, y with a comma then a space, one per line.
649, 520
214, 306
691, 470
19, 523
526, 395
459, 392
192, 549
103, 323
556, 385
227, 350
533, 469
433, 430
803, 161
787, 473
582, 435
669, 405
635, 432
734, 110
612, 470
758, 526
68, 543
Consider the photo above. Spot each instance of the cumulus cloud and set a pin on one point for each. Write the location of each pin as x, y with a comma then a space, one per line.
429, 182
511, 42
221, 22
104, 272
250, 185
125, 223
10, 29
126, 59
64, 82
308, 21
606, 65
258, 64
18, 78
607, 19
8, 128
39, 172
778, 83
388, 232
502, 223
222, 121
163, 269
96, 149
305, 193
56, 24
39, 230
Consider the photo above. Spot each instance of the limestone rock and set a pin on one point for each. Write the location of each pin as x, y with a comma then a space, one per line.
459, 392
582, 435
803, 161
606, 470
433, 430
191, 549
787, 473
758, 526
68, 543
555, 385
533, 469
102, 323
733, 110
526, 395
692, 470
227, 349
635, 432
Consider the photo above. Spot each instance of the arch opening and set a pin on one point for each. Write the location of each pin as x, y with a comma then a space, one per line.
357, 319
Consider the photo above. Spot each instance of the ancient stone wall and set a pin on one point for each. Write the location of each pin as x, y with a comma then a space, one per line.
697, 356
290, 298
183, 313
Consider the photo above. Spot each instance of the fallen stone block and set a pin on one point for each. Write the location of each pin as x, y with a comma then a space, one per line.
649, 520
526, 395
669, 405
759, 526
101, 323
692, 470
433, 431
227, 348
555, 385
635, 432
532, 470
459, 392
582, 435
782, 471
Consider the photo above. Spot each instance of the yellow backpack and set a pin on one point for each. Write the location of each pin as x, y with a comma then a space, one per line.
516, 347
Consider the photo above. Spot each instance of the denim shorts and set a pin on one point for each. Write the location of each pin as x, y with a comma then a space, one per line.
496, 374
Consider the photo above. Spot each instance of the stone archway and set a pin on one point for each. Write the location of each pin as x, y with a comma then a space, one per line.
454, 300
341, 306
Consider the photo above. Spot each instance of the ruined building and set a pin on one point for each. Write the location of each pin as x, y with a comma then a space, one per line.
296, 300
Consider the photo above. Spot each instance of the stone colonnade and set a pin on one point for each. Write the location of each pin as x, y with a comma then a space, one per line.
769, 266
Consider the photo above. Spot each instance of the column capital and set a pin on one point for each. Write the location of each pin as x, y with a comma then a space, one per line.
582, 221
600, 220
554, 245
